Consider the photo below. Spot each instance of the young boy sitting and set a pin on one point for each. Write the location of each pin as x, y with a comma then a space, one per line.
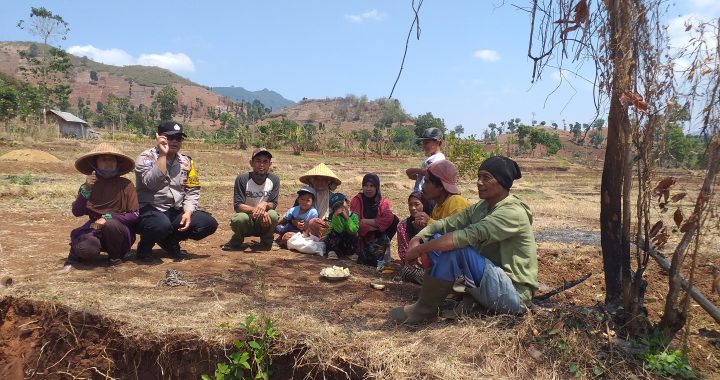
432, 139
342, 236
297, 218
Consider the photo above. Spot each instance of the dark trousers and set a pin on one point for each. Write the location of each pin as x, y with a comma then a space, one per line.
114, 238
162, 227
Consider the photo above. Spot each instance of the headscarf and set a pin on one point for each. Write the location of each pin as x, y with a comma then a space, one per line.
112, 196
503, 169
371, 205
427, 208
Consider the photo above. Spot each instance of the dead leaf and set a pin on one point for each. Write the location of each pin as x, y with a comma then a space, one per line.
582, 13
556, 328
678, 217
656, 228
677, 197
688, 27
535, 332
535, 353
689, 222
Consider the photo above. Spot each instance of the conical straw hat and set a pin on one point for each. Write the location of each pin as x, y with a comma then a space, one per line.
85, 163
321, 170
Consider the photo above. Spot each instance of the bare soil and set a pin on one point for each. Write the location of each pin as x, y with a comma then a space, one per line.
98, 321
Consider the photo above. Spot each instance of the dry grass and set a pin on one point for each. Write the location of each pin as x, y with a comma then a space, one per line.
332, 328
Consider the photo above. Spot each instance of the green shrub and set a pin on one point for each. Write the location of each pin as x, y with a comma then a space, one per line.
24, 179
251, 358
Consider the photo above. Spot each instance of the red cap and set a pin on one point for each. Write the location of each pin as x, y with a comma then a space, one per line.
447, 172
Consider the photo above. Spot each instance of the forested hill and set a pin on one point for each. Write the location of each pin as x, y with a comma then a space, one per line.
269, 98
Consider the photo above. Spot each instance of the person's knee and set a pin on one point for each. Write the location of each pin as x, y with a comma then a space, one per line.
273, 216
114, 226
239, 221
206, 225
87, 247
157, 228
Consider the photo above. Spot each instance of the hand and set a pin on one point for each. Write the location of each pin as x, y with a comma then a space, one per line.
259, 210
162, 144
414, 242
345, 213
90, 180
265, 219
421, 220
98, 224
411, 173
413, 253
185, 221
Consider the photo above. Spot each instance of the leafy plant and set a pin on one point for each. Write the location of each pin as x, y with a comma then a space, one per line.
251, 358
24, 179
466, 153
664, 360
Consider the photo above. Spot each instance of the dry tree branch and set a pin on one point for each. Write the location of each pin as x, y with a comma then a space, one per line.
416, 22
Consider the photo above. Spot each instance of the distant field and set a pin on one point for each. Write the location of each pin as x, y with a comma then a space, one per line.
337, 330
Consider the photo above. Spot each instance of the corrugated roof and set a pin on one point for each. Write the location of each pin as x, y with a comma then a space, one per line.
67, 116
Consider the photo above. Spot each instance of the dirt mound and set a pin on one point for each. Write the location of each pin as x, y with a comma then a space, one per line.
37, 338
30, 155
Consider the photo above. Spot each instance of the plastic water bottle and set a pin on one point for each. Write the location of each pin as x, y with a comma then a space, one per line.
385, 260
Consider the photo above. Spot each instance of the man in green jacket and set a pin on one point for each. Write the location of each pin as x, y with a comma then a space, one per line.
490, 243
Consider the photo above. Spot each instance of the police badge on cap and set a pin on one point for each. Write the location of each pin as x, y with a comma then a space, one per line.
169, 128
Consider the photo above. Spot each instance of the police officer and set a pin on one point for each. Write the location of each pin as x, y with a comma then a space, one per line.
168, 191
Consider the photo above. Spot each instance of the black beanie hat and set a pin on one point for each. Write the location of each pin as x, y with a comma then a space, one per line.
503, 169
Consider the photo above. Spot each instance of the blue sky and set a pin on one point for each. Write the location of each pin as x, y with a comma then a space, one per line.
469, 66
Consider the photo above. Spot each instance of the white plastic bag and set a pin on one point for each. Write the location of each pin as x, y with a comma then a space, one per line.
306, 244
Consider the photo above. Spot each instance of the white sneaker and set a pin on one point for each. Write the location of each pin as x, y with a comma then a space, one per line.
332, 255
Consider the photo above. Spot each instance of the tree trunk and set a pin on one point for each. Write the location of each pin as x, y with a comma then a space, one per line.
616, 255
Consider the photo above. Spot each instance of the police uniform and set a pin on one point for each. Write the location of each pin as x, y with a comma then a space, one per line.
165, 197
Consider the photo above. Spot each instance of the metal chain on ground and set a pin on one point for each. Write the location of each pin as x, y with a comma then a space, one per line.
174, 278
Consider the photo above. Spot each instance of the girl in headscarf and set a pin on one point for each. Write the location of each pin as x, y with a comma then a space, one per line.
110, 203
406, 230
378, 224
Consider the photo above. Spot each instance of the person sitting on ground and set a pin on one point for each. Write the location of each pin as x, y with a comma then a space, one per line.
378, 224
297, 218
168, 188
109, 201
324, 181
440, 187
342, 234
255, 199
417, 202
432, 139
490, 243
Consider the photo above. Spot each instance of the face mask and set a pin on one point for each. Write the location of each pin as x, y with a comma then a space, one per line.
106, 173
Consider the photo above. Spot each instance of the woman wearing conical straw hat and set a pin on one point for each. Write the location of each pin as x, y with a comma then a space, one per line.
110, 203
324, 181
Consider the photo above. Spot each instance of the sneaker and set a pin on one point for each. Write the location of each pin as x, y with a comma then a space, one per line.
234, 246
144, 252
115, 262
332, 255
272, 246
180, 255
71, 259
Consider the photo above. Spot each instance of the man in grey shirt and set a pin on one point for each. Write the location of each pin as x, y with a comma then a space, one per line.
168, 189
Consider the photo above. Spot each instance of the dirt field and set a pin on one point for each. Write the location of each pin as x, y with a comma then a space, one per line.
101, 322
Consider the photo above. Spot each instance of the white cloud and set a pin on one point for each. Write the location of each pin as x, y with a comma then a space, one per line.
119, 57
170, 61
372, 15
487, 55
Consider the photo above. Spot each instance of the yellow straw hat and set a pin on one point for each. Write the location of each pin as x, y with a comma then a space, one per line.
86, 163
321, 170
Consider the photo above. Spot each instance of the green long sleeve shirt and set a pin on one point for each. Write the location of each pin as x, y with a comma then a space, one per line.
340, 224
502, 234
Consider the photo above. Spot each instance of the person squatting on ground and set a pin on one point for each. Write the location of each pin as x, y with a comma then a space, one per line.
432, 139
297, 218
109, 201
168, 189
378, 224
255, 198
406, 230
490, 243
324, 181
342, 234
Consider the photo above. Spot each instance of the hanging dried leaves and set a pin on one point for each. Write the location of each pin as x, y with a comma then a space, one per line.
582, 14
662, 190
659, 240
678, 217
689, 223
634, 99
677, 197
656, 228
